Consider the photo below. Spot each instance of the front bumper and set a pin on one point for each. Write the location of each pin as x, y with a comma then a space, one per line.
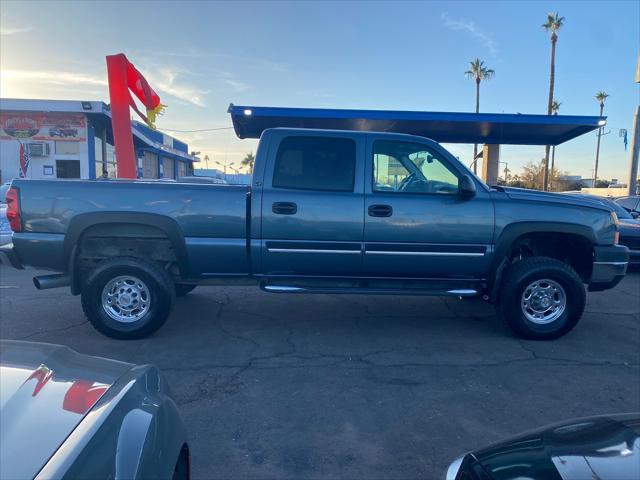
9, 257
609, 267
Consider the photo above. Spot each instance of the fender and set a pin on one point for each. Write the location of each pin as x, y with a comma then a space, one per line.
513, 231
79, 224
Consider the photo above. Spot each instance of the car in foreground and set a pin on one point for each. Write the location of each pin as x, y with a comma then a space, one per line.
603, 448
67, 415
352, 212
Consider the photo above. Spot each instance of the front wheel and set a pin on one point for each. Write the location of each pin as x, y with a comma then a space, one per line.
542, 298
128, 297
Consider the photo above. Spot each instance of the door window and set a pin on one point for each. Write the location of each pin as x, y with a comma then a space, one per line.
406, 167
316, 163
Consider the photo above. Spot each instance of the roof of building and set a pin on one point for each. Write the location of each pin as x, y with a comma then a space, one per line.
147, 137
445, 127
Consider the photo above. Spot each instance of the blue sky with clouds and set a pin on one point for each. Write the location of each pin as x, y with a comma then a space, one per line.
201, 56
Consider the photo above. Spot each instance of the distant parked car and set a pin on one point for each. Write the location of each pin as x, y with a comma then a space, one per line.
603, 448
67, 415
5, 228
631, 204
629, 227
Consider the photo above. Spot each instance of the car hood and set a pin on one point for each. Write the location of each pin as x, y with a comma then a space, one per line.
45, 392
605, 447
552, 197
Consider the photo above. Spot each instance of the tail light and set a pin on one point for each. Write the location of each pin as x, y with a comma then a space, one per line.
13, 209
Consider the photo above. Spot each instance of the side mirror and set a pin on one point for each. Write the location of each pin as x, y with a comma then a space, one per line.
635, 214
466, 186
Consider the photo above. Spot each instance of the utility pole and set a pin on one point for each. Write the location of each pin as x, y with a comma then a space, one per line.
632, 187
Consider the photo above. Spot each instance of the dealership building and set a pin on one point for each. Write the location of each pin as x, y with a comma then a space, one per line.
48, 139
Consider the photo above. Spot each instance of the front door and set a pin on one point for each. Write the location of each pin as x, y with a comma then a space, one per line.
312, 206
416, 223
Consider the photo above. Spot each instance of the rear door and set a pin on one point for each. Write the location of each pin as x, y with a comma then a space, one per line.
312, 204
416, 223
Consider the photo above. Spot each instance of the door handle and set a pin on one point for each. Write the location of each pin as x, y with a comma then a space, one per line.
284, 208
380, 210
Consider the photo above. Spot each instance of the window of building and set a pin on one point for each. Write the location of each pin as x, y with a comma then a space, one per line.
67, 148
182, 169
316, 163
68, 168
167, 167
410, 168
149, 165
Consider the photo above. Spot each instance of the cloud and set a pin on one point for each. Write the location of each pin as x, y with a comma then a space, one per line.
472, 29
236, 85
166, 80
53, 77
5, 31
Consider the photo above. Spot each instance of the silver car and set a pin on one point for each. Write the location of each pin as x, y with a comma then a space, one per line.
67, 415
5, 229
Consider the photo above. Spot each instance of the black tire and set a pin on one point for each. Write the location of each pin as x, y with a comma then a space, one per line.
523, 274
183, 289
158, 285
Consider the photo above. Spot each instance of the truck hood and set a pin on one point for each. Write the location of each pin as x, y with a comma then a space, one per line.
45, 392
551, 197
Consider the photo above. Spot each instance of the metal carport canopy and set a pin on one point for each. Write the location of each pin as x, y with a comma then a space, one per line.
444, 127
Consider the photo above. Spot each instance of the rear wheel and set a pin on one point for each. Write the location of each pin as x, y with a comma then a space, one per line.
541, 298
128, 297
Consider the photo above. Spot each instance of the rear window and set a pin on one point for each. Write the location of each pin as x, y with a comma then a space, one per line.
316, 163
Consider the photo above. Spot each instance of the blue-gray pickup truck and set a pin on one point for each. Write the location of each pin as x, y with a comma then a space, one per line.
327, 212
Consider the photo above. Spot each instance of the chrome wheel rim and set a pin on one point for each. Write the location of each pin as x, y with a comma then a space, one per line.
543, 301
126, 299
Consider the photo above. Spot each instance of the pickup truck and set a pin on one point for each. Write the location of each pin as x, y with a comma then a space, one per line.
327, 212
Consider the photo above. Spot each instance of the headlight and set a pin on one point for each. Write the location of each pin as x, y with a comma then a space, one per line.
616, 222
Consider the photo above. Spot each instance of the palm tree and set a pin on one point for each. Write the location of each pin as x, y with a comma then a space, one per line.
553, 24
248, 161
600, 97
478, 72
555, 106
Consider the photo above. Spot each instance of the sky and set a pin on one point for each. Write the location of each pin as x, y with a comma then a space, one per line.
200, 56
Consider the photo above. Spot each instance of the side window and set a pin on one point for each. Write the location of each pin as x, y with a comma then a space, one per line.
316, 163
406, 167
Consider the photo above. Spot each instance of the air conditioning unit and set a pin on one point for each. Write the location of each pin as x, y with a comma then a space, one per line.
38, 149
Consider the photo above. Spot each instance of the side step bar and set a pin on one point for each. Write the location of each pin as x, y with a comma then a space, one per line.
457, 292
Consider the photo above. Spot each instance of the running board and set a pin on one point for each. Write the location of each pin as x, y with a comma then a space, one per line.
457, 292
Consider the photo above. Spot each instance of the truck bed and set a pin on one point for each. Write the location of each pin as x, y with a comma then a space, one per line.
205, 216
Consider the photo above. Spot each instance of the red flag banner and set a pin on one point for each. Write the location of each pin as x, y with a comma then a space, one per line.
124, 78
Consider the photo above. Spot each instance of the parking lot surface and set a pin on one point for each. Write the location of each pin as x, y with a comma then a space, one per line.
324, 386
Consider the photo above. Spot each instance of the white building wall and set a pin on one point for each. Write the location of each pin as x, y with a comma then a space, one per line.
10, 160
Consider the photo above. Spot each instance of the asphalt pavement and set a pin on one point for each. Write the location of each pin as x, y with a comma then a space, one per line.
353, 387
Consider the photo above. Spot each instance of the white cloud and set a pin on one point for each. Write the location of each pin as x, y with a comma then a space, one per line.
5, 31
236, 85
472, 29
53, 77
166, 80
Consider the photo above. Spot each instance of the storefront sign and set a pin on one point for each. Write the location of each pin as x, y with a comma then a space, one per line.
70, 127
